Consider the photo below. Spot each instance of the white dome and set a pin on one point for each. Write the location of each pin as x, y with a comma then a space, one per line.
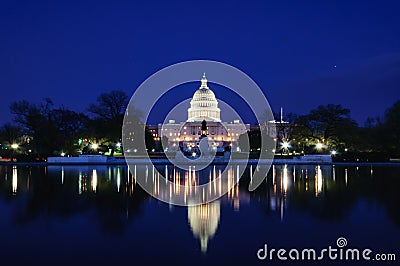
204, 94
204, 105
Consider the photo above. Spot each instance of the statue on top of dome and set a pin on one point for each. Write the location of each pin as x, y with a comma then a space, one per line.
204, 81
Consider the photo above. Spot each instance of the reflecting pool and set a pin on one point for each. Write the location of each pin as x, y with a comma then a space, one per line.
99, 214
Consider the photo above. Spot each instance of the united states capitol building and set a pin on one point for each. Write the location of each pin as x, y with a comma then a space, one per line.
203, 107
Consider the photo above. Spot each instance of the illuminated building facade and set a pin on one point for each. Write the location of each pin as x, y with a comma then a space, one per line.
203, 107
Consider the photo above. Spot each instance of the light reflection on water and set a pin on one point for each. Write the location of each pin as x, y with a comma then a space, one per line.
14, 180
204, 220
325, 193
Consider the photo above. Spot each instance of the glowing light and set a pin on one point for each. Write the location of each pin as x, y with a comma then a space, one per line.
319, 145
95, 146
194, 154
62, 154
14, 146
333, 152
94, 180
118, 144
62, 175
14, 180
80, 183
318, 181
285, 145
285, 178
118, 179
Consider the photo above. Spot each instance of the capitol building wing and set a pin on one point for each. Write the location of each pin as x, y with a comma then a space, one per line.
203, 107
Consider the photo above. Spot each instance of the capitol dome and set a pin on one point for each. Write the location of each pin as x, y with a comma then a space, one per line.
204, 105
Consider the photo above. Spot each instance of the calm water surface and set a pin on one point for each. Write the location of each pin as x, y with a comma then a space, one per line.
98, 214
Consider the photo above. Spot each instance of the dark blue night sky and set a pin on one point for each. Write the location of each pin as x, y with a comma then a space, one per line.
302, 55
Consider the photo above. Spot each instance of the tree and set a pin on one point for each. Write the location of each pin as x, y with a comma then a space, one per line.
52, 129
110, 105
108, 114
390, 131
70, 126
330, 124
164, 142
35, 121
149, 140
10, 134
250, 140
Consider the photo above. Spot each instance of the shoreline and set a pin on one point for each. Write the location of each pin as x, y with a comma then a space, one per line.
240, 162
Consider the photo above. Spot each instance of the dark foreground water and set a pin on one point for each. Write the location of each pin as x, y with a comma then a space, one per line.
95, 215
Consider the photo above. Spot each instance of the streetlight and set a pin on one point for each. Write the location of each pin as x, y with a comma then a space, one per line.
95, 146
319, 146
14, 146
285, 145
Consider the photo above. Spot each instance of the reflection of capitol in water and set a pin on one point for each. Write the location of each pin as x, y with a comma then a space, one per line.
203, 220
284, 183
186, 184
